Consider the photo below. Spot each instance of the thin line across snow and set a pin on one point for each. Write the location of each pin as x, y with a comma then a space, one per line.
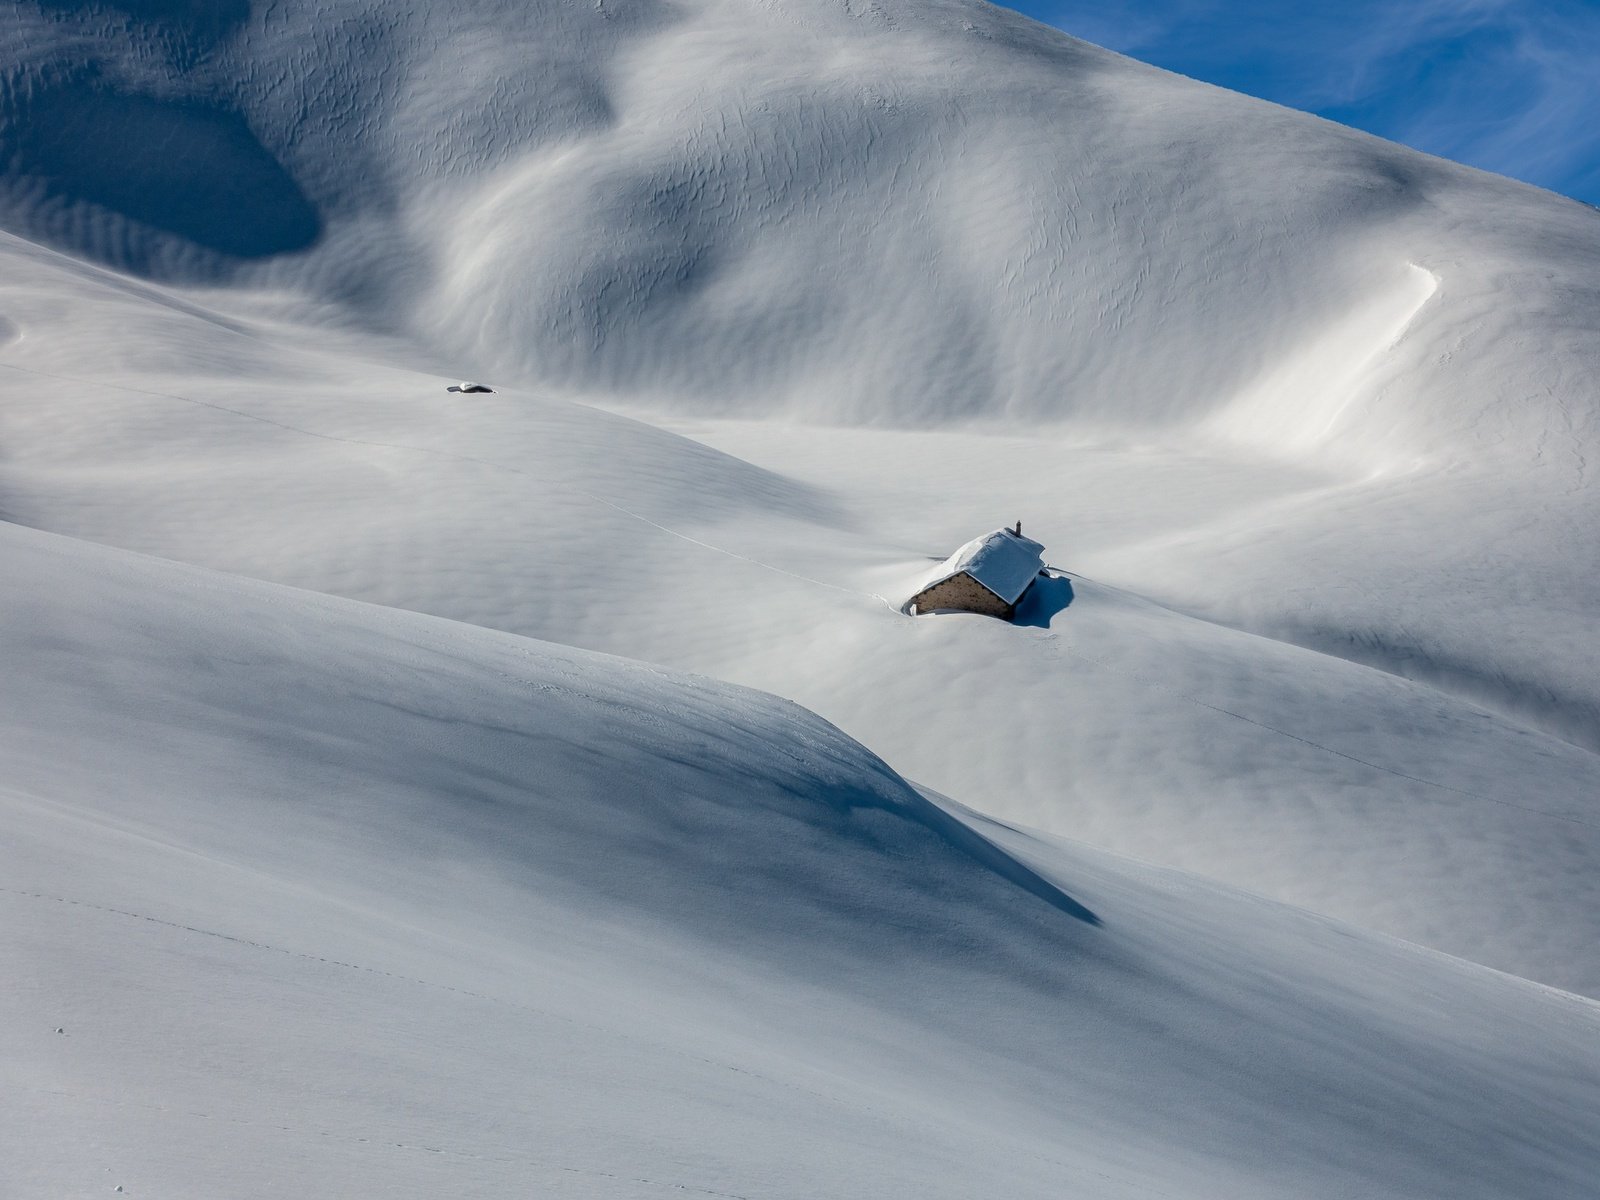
501, 1155
250, 943
516, 1005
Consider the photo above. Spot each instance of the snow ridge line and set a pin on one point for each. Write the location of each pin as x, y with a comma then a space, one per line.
452, 456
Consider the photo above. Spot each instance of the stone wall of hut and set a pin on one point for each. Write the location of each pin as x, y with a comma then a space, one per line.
961, 592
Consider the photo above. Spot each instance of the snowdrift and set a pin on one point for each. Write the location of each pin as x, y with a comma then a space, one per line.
304, 894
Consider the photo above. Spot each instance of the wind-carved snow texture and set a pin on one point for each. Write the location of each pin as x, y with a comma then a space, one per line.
780, 303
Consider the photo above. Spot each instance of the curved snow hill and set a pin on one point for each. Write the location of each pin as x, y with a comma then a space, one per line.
914, 214
204, 426
1278, 377
891, 212
308, 896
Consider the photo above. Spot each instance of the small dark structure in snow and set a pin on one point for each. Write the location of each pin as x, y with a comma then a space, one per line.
989, 575
465, 386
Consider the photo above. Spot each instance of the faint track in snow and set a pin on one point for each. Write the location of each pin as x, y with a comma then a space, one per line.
518, 1006
379, 1142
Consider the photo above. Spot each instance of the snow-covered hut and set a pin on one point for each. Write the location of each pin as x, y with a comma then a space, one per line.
990, 575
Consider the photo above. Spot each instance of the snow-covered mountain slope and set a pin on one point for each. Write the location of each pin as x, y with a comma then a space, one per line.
725, 204
309, 896
238, 439
892, 213
782, 302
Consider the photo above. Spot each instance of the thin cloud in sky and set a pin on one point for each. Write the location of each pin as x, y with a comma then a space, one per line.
1512, 86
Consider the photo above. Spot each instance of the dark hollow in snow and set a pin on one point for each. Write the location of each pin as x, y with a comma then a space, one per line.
179, 167
206, 22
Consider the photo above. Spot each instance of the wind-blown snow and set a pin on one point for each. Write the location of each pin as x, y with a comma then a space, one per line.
779, 303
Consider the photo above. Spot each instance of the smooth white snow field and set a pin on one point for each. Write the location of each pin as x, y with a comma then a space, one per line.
384, 809
314, 897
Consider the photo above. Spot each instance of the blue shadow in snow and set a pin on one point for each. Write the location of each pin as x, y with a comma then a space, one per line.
173, 166
210, 22
1001, 862
1049, 595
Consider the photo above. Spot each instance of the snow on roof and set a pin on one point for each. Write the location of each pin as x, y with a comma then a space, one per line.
1002, 561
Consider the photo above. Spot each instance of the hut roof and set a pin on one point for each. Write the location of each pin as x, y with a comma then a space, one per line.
1002, 561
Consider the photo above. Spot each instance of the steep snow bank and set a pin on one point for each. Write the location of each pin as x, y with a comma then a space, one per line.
306, 894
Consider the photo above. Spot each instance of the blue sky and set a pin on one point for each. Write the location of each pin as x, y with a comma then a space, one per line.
1512, 86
